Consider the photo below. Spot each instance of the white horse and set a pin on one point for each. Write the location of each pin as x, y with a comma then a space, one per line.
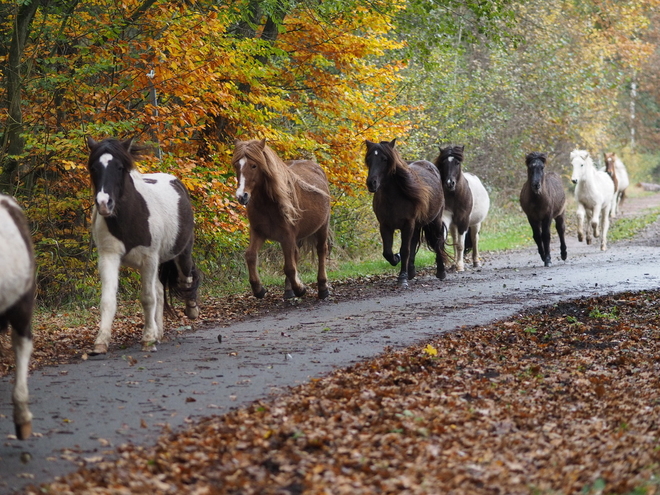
617, 170
594, 192
17, 288
466, 204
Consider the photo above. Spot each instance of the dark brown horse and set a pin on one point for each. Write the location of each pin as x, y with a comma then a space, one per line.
287, 202
543, 198
408, 198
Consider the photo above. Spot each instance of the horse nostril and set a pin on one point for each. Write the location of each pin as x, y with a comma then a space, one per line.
574, 181
244, 198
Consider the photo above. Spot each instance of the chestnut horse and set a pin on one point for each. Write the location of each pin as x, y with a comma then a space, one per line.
542, 198
17, 287
287, 202
408, 198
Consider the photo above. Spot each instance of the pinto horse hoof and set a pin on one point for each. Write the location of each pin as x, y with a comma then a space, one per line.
191, 312
324, 293
24, 431
99, 349
149, 347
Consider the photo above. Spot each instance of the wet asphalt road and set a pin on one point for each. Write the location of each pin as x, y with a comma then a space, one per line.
83, 410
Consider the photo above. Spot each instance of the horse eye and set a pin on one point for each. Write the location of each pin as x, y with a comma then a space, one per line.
254, 165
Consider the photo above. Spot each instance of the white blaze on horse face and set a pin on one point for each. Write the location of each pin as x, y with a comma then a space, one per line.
241, 181
102, 197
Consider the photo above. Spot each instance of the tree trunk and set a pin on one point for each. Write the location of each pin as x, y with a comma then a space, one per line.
13, 143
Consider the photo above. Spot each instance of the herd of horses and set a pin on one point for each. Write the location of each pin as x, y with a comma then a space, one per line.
145, 221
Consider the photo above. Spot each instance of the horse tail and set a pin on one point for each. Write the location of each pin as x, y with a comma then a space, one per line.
435, 234
168, 274
468, 241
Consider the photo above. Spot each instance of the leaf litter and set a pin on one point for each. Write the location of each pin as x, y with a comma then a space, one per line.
565, 399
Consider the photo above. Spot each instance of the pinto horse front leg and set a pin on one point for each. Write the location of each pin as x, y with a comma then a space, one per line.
109, 272
20, 318
251, 258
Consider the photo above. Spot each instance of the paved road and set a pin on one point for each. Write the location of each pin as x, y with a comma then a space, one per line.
83, 410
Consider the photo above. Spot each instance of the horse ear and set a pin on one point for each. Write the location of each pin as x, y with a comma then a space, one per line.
91, 143
262, 143
393, 142
127, 143
461, 148
369, 143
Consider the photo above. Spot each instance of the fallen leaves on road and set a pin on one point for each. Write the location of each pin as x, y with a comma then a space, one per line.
562, 400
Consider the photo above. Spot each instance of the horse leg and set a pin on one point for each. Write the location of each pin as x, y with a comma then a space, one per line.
474, 231
387, 235
322, 249
605, 226
290, 250
580, 221
251, 257
587, 224
109, 272
439, 244
20, 317
459, 247
151, 298
560, 225
407, 233
545, 237
538, 237
414, 244
186, 281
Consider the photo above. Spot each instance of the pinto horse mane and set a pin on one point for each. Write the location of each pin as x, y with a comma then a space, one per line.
450, 151
411, 185
126, 151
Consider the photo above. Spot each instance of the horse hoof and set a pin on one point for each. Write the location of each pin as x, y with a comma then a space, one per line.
397, 259
191, 312
99, 349
564, 255
324, 293
24, 431
149, 347
288, 294
261, 294
441, 275
301, 292
548, 263
476, 264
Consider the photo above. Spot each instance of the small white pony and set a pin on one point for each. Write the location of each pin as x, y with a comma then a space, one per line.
594, 193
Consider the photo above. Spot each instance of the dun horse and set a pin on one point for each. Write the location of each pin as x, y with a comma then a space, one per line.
408, 198
143, 221
543, 199
594, 192
466, 203
17, 288
617, 170
287, 202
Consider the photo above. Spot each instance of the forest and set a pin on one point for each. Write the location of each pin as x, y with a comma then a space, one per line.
316, 79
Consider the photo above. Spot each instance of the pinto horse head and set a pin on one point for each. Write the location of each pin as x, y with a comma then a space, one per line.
380, 160
580, 160
110, 161
248, 155
535, 167
449, 166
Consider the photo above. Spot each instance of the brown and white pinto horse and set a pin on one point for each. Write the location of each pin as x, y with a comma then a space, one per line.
143, 221
287, 202
17, 288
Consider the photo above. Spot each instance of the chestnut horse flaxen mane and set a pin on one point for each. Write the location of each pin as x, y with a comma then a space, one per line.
411, 185
280, 182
